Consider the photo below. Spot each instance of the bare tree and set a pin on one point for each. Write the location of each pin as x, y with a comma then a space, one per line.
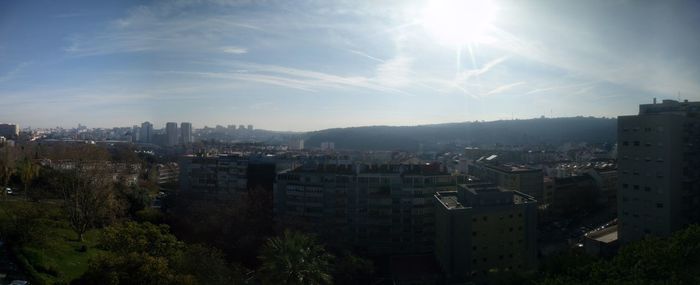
88, 197
28, 171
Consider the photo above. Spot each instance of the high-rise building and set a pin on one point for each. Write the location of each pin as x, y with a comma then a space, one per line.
146, 132
250, 127
296, 144
9, 131
658, 169
327, 146
171, 132
377, 209
135, 133
482, 228
186, 133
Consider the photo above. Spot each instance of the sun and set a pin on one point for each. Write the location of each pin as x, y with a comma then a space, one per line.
459, 22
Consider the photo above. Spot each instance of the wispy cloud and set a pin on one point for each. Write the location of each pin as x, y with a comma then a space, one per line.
71, 15
395, 72
468, 74
504, 88
235, 50
13, 73
365, 55
578, 86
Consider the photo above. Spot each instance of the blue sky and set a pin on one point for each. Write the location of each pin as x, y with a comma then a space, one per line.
313, 64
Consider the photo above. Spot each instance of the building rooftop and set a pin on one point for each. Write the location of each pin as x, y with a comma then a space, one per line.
481, 195
508, 167
419, 169
606, 235
670, 107
449, 199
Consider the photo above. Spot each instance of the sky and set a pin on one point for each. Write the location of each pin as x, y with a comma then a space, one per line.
306, 65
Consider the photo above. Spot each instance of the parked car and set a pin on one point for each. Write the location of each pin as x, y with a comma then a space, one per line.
19, 282
9, 191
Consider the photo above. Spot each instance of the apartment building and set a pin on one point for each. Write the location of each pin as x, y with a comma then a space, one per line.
658, 169
482, 228
378, 209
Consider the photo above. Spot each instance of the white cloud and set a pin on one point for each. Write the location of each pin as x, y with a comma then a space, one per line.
503, 88
395, 72
235, 50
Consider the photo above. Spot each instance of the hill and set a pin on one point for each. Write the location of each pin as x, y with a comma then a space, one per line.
510, 132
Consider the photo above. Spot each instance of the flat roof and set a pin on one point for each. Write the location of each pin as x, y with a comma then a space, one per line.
450, 201
606, 235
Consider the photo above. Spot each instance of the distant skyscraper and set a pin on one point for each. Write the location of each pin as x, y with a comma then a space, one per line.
250, 127
241, 127
327, 146
146, 132
659, 169
135, 133
9, 131
186, 133
171, 132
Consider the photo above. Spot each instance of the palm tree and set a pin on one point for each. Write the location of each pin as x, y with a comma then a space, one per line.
294, 258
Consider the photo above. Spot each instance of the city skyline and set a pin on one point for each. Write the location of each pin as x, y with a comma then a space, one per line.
312, 66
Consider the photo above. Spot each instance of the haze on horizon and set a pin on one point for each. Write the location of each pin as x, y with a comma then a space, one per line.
308, 65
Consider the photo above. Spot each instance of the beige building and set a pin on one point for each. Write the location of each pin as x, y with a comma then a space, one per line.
659, 169
481, 228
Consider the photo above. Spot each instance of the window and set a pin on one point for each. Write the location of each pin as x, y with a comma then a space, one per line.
659, 205
625, 143
636, 143
625, 185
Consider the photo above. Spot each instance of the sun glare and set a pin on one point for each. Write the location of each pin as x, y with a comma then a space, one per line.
459, 22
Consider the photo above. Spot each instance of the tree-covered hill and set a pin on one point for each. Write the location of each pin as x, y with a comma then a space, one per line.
510, 132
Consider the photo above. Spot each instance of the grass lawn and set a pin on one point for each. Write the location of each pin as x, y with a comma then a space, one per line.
57, 257
60, 258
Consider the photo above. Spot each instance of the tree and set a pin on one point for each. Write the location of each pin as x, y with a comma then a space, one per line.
654, 260
155, 240
351, 269
21, 223
8, 157
208, 266
294, 258
28, 171
143, 253
88, 198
